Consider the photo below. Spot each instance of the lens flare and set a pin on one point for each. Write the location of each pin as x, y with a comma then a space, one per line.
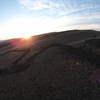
22, 42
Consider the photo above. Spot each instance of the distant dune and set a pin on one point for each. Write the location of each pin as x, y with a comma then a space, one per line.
54, 66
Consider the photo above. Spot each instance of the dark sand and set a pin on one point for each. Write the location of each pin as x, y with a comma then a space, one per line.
56, 66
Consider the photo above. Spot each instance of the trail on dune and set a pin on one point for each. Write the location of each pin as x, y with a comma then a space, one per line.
84, 56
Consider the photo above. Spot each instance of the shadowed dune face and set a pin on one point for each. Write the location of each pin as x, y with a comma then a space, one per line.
95, 76
54, 73
63, 75
50, 70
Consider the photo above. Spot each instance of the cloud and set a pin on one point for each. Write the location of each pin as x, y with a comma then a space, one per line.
80, 9
84, 27
29, 25
39, 4
59, 7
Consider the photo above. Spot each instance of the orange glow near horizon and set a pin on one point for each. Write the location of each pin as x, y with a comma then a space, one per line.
21, 43
26, 37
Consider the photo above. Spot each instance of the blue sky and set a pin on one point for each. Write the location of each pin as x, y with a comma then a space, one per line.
19, 18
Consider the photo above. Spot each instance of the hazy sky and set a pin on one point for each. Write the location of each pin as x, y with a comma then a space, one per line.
31, 17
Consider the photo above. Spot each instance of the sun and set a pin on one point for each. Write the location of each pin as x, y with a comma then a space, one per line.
25, 27
26, 37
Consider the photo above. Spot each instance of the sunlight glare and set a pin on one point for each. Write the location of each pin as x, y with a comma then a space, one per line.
25, 27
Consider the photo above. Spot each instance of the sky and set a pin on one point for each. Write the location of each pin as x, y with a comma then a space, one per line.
22, 18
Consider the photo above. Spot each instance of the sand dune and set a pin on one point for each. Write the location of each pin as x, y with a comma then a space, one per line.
56, 66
